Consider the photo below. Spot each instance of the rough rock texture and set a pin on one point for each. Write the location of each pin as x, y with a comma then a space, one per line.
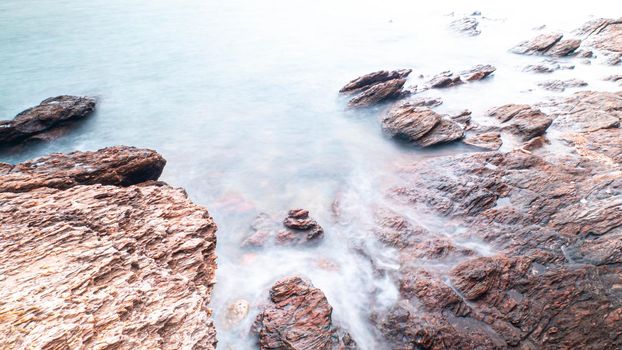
299, 318
538, 45
368, 80
564, 47
487, 140
478, 72
522, 120
547, 66
420, 125
529, 257
603, 34
561, 85
444, 79
391, 89
296, 229
466, 25
94, 266
120, 165
50, 113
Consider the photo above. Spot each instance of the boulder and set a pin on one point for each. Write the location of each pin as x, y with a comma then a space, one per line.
51, 113
478, 72
377, 93
444, 79
538, 45
299, 318
522, 120
95, 266
486, 140
420, 125
368, 80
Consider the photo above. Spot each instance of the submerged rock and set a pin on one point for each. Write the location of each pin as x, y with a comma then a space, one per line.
49, 114
561, 85
300, 228
95, 266
299, 318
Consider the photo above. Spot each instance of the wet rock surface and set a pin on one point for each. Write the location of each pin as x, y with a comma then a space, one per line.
603, 34
522, 120
299, 317
552, 275
298, 228
538, 45
420, 125
89, 263
466, 25
478, 72
487, 140
561, 85
444, 79
54, 112
376, 87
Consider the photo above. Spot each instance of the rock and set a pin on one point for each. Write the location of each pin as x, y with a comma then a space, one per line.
119, 166
302, 229
466, 25
424, 102
420, 125
368, 80
564, 47
561, 85
236, 312
614, 60
444, 79
538, 45
603, 34
522, 120
535, 143
377, 93
445, 131
588, 111
478, 72
614, 78
94, 266
298, 318
488, 140
50, 113
463, 117
409, 122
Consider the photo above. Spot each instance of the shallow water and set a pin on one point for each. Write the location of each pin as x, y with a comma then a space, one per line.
241, 99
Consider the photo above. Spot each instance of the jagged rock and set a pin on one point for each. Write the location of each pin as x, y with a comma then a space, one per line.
424, 102
614, 78
50, 113
120, 166
561, 85
420, 125
522, 120
368, 80
444, 79
588, 111
300, 228
299, 318
478, 72
538, 45
466, 25
91, 266
463, 117
535, 143
409, 122
391, 89
487, 140
603, 34
564, 47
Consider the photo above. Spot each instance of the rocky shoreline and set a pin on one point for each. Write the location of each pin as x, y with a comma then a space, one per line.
99, 254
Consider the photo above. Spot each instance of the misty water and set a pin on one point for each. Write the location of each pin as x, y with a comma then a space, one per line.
241, 99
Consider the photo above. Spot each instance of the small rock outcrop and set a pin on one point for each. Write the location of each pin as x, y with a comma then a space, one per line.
296, 229
479, 72
299, 318
466, 25
444, 79
549, 45
420, 125
487, 140
522, 120
561, 85
376, 87
51, 113
96, 261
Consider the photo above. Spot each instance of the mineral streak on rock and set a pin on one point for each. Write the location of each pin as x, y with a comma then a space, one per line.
92, 265
299, 318
50, 113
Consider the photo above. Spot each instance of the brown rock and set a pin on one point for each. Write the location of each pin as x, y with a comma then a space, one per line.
588, 111
119, 166
564, 47
538, 45
445, 131
487, 140
298, 318
444, 79
50, 113
368, 80
522, 120
301, 228
94, 266
603, 34
478, 72
409, 122
377, 93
